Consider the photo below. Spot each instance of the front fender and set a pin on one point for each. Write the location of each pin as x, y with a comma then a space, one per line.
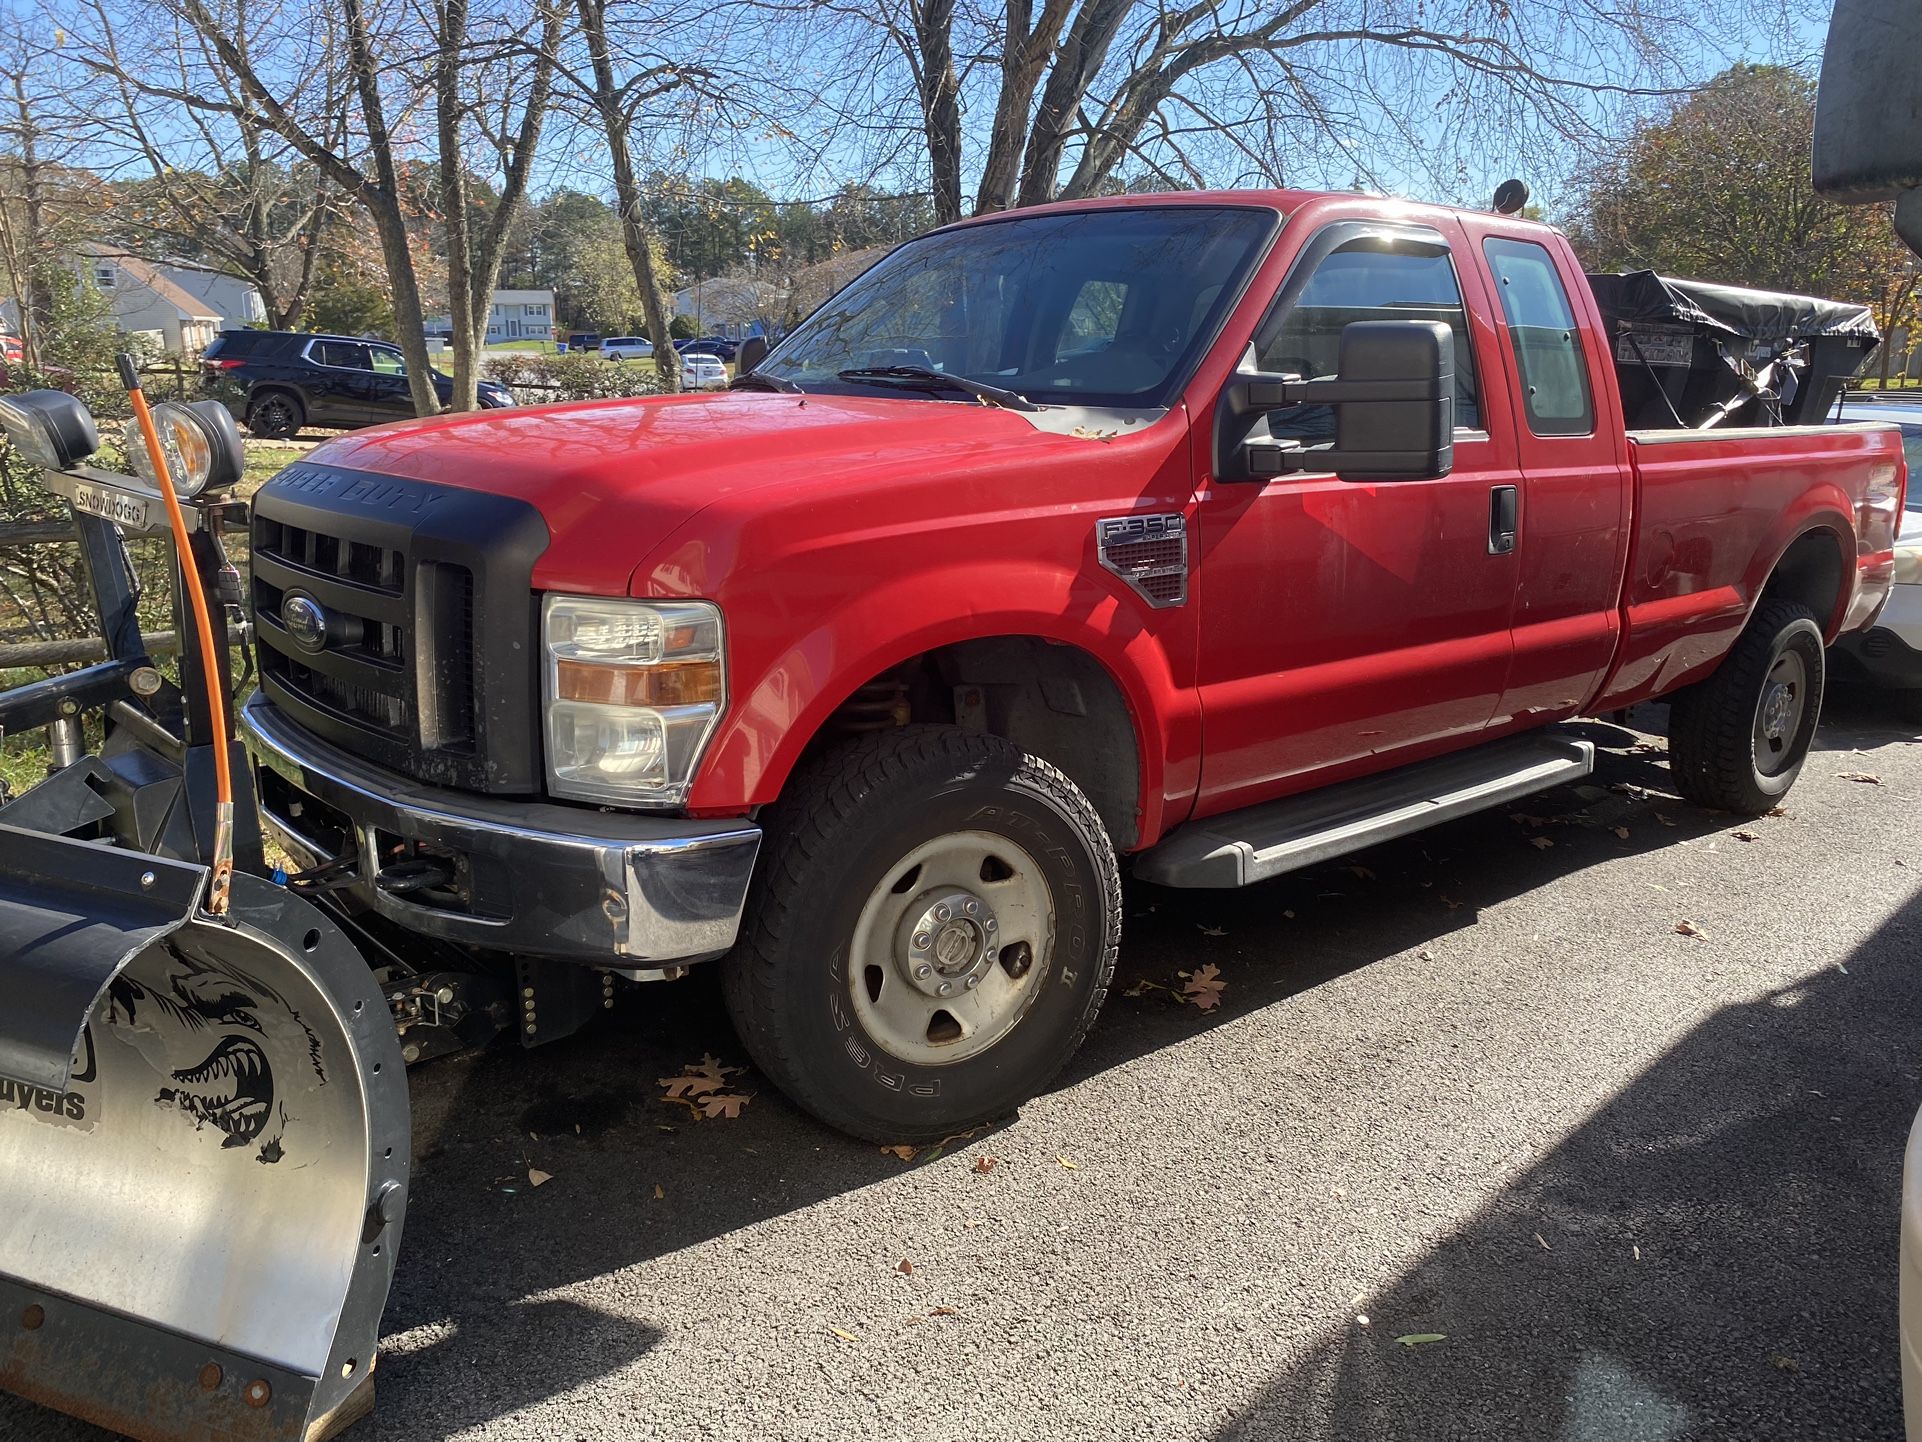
783, 699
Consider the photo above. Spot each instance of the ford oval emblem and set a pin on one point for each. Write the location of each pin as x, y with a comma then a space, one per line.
305, 620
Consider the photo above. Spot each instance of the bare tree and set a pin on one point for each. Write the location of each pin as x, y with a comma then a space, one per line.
225, 188
246, 65
1060, 99
476, 97
617, 103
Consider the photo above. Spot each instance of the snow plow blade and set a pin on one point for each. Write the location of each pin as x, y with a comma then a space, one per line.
203, 1150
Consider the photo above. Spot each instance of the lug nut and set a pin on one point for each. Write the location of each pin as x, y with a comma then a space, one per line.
946, 987
989, 924
973, 982
921, 940
974, 908
924, 971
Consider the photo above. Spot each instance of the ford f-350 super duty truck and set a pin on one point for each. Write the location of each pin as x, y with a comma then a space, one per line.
1208, 535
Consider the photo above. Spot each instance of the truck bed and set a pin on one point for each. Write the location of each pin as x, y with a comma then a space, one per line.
1712, 513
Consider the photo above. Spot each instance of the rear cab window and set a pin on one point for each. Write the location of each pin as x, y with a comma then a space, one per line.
1542, 332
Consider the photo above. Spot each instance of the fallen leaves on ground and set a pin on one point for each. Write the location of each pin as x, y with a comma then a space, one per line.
1421, 1339
904, 1152
985, 1164
538, 1178
944, 1311
1210, 930
1071, 1166
1747, 836
843, 1334
1867, 778
1665, 820
660, 1192
906, 1268
702, 1089
1202, 987
1360, 873
1523, 818
1544, 1241
705, 1076
1449, 902
1689, 928
1620, 831
1540, 843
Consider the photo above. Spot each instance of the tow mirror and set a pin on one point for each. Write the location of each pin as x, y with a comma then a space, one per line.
1394, 405
752, 352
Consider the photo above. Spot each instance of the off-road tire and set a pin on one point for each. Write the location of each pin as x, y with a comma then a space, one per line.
1711, 739
275, 416
842, 824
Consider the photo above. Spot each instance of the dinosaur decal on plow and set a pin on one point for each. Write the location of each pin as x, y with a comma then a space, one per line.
216, 1035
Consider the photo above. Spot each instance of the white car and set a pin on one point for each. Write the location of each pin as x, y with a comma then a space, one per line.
627, 347
1889, 653
702, 371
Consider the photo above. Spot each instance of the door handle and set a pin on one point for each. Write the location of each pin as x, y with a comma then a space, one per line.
1502, 502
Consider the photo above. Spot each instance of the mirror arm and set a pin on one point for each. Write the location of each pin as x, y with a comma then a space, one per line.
1261, 394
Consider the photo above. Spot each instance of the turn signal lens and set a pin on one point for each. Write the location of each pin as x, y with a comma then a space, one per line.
671, 683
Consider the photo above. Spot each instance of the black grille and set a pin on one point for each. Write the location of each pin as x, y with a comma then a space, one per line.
428, 610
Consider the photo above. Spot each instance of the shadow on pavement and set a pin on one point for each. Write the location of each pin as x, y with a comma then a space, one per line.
1718, 1242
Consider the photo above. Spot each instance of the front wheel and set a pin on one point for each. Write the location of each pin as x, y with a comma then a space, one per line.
1737, 741
933, 927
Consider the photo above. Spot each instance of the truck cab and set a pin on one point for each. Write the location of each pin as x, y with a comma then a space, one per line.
1208, 535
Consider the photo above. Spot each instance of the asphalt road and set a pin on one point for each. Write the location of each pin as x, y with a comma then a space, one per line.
1643, 1184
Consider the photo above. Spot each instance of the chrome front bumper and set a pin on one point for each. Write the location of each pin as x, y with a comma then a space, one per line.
604, 888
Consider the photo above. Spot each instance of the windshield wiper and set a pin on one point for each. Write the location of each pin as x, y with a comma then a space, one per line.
921, 378
751, 380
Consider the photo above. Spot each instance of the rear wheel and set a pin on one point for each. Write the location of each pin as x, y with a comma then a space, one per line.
1737, 741
933, 928
275, 416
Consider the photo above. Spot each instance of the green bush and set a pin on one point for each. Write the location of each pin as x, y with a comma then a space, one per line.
544, 379
682, 327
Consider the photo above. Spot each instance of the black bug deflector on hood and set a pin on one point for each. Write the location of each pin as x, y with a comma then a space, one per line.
203, 1150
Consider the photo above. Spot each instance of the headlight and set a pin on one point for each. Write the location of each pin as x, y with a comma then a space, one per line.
50, 429
634, 690
200, 440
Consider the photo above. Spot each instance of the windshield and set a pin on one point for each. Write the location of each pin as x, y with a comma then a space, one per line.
1092, 307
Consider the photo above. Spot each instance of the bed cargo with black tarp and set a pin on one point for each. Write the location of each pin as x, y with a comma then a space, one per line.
1693, 354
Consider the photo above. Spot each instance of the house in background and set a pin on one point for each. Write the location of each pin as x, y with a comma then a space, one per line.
514, 315
145, 301
732, 306
236, 299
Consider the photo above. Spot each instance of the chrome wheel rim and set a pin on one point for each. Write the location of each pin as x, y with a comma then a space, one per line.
951, 948
1778, 713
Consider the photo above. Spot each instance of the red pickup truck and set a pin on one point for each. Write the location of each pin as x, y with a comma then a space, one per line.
1209, 534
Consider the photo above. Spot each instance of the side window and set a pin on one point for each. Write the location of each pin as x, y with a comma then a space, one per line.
1365, 280
1541, 327
388, 362
346, 354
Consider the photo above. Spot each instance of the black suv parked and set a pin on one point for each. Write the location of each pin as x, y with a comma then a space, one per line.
292, 379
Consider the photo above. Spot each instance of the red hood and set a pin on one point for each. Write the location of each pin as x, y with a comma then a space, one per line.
638, 469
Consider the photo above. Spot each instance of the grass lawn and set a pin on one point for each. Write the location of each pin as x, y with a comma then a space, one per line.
531, 346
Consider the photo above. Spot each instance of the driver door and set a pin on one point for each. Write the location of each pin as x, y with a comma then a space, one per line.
1350, 627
